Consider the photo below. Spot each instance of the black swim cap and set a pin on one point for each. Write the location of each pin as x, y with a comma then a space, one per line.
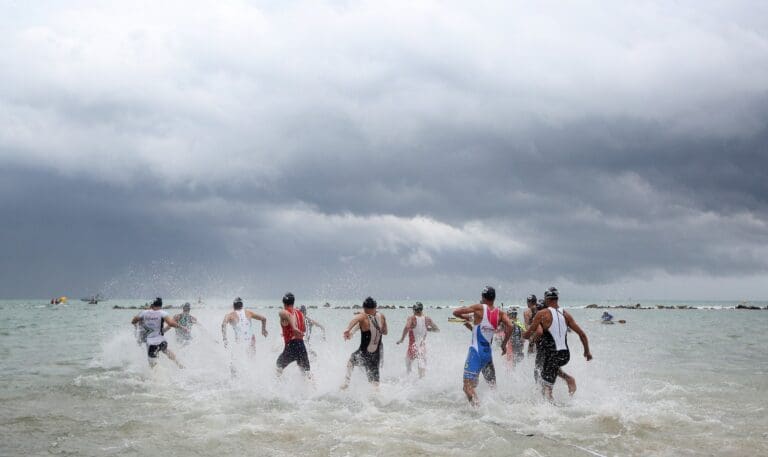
288, 298
551, 293
369, 303
303, 309
531, 298
418, 306
489, 293
187, 306
238, 303
157, 303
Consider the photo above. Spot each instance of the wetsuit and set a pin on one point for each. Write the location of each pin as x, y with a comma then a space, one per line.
554, 347
152, 323
295, 350
369, 355
480, 357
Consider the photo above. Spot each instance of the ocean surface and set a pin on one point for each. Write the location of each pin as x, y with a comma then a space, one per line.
74, 382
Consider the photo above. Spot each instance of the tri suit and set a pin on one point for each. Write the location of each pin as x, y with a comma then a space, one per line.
417, 342
295, 350
480, 356
554, 347
369, 355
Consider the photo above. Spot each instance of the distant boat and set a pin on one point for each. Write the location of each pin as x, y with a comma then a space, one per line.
94, 299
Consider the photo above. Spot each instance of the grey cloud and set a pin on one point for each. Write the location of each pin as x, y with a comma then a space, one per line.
621, 157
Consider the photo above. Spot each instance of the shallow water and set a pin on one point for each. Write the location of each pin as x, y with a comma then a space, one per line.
668, 383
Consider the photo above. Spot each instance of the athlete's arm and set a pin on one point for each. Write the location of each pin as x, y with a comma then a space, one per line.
464, 310
383, 324
261, 318
136, 319
583, 336
534, 326
431, 326
352, 324
405, 329
507, 333
314, 322
224, 328
171, 322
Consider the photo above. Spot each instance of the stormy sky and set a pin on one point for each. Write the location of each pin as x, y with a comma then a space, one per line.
401, 149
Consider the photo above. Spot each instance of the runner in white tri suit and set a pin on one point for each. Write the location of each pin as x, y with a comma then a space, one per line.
480, 359
416, 327
151, 322
240, 320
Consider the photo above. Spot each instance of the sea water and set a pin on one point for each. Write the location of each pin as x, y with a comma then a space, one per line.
73, 381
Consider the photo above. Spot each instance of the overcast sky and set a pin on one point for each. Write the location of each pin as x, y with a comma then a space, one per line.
401, 149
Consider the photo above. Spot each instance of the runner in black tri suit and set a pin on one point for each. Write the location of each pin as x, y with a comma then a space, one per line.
554, 343
373, 326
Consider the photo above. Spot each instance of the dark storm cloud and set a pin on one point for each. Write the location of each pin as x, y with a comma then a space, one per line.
308, 147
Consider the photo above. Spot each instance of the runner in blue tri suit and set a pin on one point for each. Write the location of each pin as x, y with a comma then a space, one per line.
486, 319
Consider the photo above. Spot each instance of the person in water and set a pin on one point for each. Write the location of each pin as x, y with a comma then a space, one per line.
151, 321
309, 325
240, 320
516, 343
554, 342
185, 321
528, 314
373, 325
606, 318
293, 325
416, 327
486, 319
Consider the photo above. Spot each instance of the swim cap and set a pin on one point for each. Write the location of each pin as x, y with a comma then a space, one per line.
512, 312
418, 306
238, 303
303, 309
369, 303
531, 298
157, 303
551, 293
288, 298
187, 306
489, 293
540, 305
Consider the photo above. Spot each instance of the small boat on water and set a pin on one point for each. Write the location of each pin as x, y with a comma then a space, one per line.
94, 299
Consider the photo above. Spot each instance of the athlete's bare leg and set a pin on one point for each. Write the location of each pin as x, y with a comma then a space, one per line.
570, 380
348, 376
469, 391
172, 356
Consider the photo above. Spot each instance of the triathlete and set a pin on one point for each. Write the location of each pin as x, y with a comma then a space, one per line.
373, 325
554, 342
151, 321
185, 321
293, 327
416, 327
240, 320
480, 357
